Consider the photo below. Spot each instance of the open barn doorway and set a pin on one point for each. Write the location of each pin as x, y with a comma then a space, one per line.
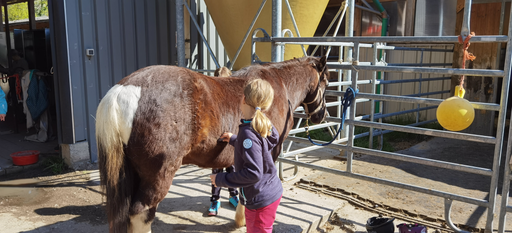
27, 80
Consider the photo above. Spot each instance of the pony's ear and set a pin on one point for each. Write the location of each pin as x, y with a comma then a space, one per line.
323, 61
320, 65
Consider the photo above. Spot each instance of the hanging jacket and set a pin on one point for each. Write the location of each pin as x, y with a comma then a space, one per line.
3, 103
37, 100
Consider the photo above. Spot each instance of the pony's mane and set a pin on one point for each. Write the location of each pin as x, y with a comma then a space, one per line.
272, 65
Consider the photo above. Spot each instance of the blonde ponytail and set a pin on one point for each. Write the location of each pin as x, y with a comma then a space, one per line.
259, 94
261, 124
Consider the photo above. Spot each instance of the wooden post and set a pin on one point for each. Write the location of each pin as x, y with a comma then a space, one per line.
409, 17
31, 15
485, 20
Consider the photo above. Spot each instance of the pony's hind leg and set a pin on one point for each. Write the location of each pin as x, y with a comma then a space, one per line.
141, 218
151, 191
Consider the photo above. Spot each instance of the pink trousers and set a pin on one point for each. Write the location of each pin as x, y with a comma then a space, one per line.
261, 220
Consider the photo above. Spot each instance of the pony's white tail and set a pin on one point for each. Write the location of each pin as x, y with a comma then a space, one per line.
114, 118
240, 215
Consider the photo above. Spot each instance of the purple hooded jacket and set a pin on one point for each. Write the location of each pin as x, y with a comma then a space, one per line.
255, 172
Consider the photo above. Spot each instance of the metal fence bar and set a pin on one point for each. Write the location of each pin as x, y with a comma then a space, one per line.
424, 161
428, 132
247, 34
180, 33
330, 104
202, 36
352, 113
389, 39
399, 69
373, 91
414, 100
396, 156
389, 182
347, 83
342, 8
429, 93
504, 207
493, 190
347, 52
447, 215
507, 173
366, 45
411, 80
379, 116
312, 127
294, 25
405, 99
276, 30
382, 132
389, 47
334, 144
420, 64
307, 149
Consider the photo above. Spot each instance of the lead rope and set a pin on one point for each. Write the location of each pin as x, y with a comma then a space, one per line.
459, 90
348, 98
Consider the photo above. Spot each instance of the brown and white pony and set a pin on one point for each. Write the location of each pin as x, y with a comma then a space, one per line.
161, 117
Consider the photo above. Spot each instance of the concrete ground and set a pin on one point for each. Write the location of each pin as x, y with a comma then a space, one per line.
308, 200
183, 210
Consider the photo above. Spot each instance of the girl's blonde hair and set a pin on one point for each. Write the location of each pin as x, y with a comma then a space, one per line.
222, 72
259, 94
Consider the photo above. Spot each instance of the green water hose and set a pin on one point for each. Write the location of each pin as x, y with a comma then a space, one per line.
383, 33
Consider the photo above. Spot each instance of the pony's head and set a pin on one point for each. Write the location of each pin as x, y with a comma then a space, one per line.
314, 103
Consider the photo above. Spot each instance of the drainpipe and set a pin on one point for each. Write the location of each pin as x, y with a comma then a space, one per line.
384, 32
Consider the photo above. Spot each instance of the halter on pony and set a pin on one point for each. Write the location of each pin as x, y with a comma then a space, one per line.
349, 96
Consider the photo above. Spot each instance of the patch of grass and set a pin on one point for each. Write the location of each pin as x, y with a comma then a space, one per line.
364, 142
317, 134
55, 164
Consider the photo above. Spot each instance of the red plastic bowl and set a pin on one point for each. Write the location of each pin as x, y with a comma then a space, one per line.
25, 157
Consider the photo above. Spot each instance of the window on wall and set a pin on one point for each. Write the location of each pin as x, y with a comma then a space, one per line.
19, 11
41, 8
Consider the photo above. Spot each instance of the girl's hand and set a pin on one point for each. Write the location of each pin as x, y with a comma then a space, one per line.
212, 178
2, 117
225, 136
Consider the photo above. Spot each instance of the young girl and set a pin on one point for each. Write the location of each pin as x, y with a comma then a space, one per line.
233, 193
255, 172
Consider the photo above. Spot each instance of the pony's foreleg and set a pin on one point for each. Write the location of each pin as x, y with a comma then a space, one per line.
240, 215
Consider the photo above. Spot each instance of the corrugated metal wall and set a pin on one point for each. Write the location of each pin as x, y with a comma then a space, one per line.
409, 88
126, 35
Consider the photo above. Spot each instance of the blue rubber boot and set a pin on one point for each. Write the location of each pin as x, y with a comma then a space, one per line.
214, 208
234, 201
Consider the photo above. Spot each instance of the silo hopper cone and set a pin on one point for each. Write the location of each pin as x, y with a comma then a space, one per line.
232, 19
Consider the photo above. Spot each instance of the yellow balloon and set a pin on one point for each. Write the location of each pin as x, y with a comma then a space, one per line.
455, 114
